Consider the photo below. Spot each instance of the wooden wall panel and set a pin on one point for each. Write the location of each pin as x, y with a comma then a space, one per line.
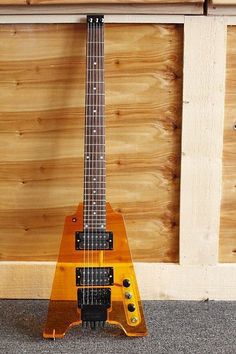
41, 135
228, 216
50, 2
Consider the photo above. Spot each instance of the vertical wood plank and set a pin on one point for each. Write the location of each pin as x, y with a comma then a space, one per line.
202, 139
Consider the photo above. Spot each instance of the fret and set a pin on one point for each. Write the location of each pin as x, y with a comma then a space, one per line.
93, 105
95, 160
92, 93
97, 200
91, 189
97, 194
94, 116
88, 208
100, 168
98, 221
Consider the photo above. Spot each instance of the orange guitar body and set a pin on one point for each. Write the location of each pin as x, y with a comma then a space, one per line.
64, 311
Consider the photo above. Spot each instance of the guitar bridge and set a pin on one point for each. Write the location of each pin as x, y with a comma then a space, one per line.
94, 303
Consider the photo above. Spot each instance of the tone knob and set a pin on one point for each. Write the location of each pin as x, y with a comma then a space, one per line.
128, 295
126, 283
131, 307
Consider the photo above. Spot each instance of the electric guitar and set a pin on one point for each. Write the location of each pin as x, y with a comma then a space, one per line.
94, 280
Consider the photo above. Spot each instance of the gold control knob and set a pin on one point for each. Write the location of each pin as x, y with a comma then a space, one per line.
134, 319
128, 295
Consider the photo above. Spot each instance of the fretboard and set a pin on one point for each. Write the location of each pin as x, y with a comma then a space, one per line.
94, 149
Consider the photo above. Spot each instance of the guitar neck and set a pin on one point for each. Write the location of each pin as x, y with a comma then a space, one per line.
94, 149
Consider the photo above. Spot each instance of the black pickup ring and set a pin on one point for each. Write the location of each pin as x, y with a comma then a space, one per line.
95, 276
95, 240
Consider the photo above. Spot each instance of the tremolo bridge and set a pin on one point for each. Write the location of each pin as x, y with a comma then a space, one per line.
94, 303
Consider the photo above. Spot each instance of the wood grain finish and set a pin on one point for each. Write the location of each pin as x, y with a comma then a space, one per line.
228, 217
56, 2
202, 139
41, 130
223, 2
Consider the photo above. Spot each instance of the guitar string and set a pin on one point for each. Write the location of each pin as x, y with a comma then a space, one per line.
102, 98
85, 164
99, 177
93, 76
92, 154
96, 136
94, 94
87, 276
99, 138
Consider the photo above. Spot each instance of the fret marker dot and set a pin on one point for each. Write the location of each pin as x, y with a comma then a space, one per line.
94, 213
95, 88
102, 226
94, 131
95, 63
87, 157
101, 157
94, 192
86, 226
94, 111
94, 178
94, 203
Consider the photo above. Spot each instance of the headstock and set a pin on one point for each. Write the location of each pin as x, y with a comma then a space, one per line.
97, 19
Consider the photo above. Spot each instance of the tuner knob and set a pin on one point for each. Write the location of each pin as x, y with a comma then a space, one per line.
131, 307
126, 283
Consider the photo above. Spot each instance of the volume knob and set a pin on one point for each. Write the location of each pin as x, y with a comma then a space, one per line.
126, 283
131, 307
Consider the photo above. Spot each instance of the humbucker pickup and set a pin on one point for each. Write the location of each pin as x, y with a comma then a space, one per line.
94, 240
94, 276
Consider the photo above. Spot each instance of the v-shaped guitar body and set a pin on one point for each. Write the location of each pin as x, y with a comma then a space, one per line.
76, 297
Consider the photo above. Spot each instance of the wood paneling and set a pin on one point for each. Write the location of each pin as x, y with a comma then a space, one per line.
50, 2
205, 41
228, 216
223, 2
41, 135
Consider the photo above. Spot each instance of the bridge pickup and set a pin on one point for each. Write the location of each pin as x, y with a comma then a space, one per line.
94, 276
94, 240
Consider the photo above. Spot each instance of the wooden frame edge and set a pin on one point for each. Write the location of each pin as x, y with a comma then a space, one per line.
202, 139
152, 9
73, 18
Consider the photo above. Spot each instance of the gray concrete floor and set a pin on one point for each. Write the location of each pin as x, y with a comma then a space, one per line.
174, 327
